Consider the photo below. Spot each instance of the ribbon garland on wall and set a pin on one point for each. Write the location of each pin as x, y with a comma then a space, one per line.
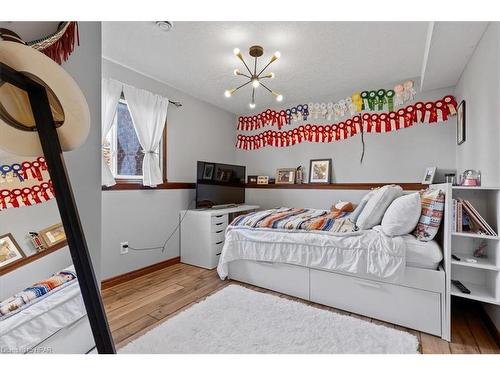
375, 100
430, 112
20, 173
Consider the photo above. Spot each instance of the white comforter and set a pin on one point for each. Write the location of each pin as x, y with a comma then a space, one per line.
367, 252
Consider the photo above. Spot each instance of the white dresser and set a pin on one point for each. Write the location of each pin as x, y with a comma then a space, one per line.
203, 231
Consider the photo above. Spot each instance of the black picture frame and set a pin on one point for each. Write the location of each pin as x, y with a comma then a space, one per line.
461, 123
66, 204
329, 171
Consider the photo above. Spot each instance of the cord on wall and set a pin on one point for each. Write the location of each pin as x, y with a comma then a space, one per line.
162, 248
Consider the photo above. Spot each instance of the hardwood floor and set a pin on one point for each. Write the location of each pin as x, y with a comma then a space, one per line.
135, 306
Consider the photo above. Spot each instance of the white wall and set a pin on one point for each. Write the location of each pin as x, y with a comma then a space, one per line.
400, 156
480, 87
195, 131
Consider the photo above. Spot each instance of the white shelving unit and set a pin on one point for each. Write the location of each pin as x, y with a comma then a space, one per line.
482, 277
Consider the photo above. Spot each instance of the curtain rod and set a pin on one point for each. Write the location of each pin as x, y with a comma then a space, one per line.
176, 103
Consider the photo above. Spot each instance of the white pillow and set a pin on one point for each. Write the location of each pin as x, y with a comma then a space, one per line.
402, 215
375, 208
359, 208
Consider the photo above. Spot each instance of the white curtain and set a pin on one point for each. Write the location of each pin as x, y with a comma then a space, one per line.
149, 113
111, 92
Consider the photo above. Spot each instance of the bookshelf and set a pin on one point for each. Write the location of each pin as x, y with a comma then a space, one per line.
482, 278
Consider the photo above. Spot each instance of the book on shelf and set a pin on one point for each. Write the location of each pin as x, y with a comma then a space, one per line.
467, 219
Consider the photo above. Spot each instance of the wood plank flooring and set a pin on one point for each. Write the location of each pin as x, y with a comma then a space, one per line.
138, 305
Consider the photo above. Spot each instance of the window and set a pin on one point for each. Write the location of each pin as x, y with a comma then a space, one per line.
122, 150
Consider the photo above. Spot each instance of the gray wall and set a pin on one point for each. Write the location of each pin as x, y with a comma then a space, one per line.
480, 87
400, 156
83, 165
196, 131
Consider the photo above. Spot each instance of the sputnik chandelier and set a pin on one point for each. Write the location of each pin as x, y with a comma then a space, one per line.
253, 77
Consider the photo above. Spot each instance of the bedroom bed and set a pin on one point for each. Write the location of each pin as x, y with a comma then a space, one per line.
54, 323
400, 279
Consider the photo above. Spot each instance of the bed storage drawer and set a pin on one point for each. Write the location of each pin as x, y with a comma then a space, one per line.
284, 278
409, 307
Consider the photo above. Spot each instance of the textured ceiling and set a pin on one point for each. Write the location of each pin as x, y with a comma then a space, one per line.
319, 60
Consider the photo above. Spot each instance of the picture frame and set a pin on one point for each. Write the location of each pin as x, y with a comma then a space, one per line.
252, 179
320, 171
208, 171
53, 235
10, 251
461, 123
285, 176
429, 176
262, 180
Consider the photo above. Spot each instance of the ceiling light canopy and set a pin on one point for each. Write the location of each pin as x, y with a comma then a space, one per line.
253, 77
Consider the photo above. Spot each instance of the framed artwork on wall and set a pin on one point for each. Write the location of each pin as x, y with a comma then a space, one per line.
9, 250
53, 235
429, 176
320, 171
285, 176
461, 129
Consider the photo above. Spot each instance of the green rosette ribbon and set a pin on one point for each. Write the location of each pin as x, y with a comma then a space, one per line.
364, 98
372, 99
389, 95
380, 99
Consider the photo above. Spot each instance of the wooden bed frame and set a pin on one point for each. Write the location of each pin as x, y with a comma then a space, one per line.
420, 300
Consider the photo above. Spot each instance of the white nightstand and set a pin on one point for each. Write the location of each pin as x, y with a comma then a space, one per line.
203, 231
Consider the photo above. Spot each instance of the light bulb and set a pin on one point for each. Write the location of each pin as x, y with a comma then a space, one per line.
277, 54
236, 51
236, 72
252, 105
271, 75
255, 83
279, 98
227, 93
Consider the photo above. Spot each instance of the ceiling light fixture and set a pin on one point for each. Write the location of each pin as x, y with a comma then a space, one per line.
253, 77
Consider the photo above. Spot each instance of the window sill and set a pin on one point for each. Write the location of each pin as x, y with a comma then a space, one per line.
134, 185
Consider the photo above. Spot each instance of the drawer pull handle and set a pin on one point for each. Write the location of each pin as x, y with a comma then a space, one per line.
218, 243
219, 223
218, 254
219, 215
369, 284
219, 231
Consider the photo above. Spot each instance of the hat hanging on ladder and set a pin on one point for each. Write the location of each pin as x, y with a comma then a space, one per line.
69, 108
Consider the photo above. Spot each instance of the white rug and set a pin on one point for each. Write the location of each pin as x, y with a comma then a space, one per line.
240, 320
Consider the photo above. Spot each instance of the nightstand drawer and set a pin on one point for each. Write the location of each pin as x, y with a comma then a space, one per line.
219, 219
216, 249
218, 227
218, 237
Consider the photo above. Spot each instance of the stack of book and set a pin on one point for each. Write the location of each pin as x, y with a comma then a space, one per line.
467, 219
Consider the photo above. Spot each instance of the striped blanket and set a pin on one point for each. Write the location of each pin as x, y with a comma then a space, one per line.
297, 219
35, 292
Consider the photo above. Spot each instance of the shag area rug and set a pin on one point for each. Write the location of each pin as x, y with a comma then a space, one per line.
240, 320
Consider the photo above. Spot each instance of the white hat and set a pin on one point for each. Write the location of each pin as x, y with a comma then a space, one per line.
69, 108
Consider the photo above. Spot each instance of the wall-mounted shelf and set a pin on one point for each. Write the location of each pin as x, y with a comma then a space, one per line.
475, 235
340, 186
475, 188
29, 259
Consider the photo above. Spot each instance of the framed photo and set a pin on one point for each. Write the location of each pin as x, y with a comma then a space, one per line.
53, 235
9, 250
320, 171
429, 176
252, 179
262, 180
461, 123
285, 176
208, 171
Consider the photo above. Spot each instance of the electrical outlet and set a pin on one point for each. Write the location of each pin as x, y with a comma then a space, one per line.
123, 248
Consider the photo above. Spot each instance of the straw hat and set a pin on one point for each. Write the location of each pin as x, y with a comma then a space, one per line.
69, 108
